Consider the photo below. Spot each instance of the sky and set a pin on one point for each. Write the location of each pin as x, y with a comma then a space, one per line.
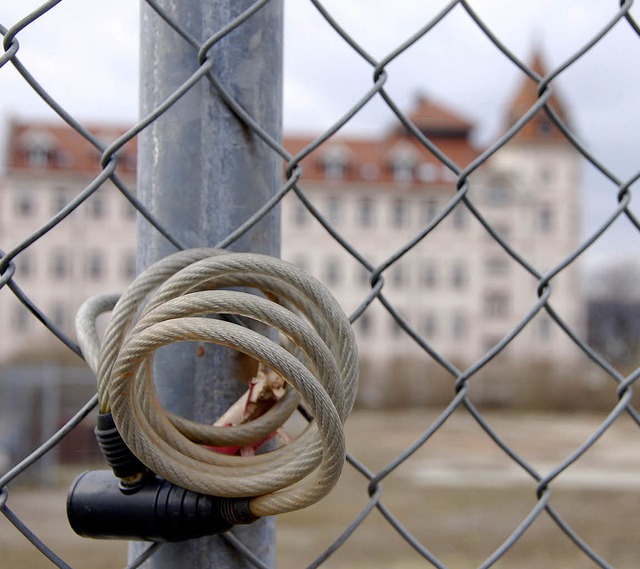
85, 53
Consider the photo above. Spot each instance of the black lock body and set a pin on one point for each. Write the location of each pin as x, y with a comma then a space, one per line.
156, 510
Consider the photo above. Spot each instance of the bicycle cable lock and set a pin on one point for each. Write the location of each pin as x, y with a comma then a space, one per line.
173, 478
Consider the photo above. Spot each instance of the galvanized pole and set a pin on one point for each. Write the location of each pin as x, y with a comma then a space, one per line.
203, 172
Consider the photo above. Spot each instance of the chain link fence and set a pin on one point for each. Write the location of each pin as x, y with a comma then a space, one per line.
460, 379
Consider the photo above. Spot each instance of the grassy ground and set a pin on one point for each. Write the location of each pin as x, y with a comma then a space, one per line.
458, 495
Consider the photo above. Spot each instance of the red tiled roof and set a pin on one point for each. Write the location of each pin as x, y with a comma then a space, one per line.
364, 156
60, 148
432, 117
539, 128
366, 159
370, 159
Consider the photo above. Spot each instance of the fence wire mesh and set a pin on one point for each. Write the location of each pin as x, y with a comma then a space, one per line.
542, 481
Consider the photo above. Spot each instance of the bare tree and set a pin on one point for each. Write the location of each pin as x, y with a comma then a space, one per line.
614, 311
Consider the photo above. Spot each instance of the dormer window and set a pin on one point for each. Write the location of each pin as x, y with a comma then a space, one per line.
334, 170
403, 161
544, 218
402, 172
335, 162
544, 127
127, 161
498, 192
427, 172
369, 171
64, 159
39, 147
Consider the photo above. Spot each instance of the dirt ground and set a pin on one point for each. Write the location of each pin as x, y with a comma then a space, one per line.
459, 495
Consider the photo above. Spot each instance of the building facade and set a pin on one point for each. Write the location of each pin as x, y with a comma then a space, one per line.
456, 287
92, 251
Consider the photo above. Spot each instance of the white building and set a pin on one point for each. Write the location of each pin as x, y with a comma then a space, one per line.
457, 287
90, 252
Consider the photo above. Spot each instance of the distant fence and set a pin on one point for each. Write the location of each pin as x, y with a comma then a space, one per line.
460, 380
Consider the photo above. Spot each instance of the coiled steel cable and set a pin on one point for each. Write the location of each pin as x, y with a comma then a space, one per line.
174, 301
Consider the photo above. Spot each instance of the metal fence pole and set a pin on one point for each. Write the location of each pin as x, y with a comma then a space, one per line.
202, 172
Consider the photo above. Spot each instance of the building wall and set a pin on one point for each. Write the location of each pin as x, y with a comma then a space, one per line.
90, 252
457, 288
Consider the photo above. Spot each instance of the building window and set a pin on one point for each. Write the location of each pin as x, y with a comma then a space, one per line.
24, 203
544, 126
427, 172
300, 214
365, 212
502, 229
429, 275
58, 315
399, 213
334, 170
546, 174
544, 329
127, 161
396, 330
497, 266
496, 304
402, 172
544, 219
490, 342
94, 266
429, 326
60, 200
129, 266
26, 265
370, 171
459, 326
301, 262
335, 162
363, 276
403, 160
398, 275
365, 325
39, 148
95, 157
459, 217
128, 211
498, 194
458, 276
64, 159
39, 156
332, 272
429, 210
60, 264
21, 319
96, 206
448, 174
334, 210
